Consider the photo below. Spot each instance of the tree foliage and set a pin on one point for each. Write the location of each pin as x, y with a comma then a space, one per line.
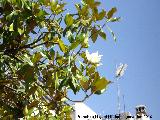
42, 56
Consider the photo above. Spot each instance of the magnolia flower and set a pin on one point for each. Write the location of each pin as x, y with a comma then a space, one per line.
120, 70
94, 58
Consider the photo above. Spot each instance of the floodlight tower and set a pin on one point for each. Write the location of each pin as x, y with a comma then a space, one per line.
119, 73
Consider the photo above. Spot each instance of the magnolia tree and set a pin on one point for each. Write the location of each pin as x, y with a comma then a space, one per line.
43, 55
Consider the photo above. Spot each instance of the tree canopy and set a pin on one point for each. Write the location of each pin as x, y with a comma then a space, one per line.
43, 55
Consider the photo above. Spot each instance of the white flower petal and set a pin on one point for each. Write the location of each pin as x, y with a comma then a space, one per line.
93, 57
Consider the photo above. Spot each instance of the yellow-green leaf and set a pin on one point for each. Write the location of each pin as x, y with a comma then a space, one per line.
100, 84
11, 27
55, 78
37, 57
69, 20
20, 31
61, 45
25, 110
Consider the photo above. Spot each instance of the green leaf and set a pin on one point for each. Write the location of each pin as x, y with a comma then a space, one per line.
61, 45
42, 13
55, 75
102, 34
26, 73
27, 59
84, 84
89, 2
92, 3
86, 22
67, 108
30, 111
37, 57
63, 83
101, 15
90, 70
68, 20
11, 27
45, 2
100, 84
74, 44
84, 11
40, 91
58, 9
43, 53
20, 31
94, 34
71, 84
25, 110
72, 87
52, 53
111, 12
12, 14
96, 76
78, 7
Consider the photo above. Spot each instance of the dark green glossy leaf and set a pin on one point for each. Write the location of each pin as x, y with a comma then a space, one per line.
103, 35
63, 83
52, 53
72, 86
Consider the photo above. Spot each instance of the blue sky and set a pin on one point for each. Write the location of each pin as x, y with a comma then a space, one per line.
138, 45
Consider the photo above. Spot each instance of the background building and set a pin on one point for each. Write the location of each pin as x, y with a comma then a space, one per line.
83, 112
